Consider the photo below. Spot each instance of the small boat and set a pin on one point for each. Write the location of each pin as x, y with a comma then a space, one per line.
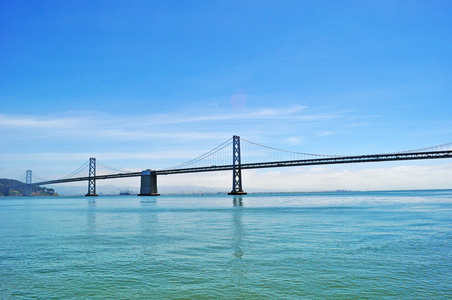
126, 193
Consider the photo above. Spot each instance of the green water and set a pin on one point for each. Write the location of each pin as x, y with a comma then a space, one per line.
372, 245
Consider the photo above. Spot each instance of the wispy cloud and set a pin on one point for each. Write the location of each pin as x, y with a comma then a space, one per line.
191, 117
294, 140
152, 126
24, 121
325, 133
76, 119
104, 156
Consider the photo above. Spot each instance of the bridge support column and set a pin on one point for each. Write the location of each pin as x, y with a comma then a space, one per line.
237, 170
28, 183
92, 178
148, 183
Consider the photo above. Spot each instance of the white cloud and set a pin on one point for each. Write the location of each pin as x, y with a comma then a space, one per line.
325, 133
80, 127
192, 117
21, 121
119, 125
294, 140
81, 156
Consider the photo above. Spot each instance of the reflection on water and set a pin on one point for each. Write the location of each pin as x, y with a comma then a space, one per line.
238, 267
146, 202
238, 201
91, 216
148, 219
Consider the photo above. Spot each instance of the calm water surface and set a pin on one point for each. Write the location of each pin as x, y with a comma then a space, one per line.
372, 245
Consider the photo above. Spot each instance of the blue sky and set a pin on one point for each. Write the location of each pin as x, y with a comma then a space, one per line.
149, 84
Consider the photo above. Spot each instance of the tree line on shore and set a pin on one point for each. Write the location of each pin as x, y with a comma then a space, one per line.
11, 187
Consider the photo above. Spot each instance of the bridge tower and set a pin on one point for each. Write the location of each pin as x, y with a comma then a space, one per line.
236, 170
28, 183
92, 178
148, 183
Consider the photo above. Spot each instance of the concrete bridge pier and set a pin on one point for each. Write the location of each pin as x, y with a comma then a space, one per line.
148, 183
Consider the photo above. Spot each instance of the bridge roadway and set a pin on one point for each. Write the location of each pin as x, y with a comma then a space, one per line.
277, 164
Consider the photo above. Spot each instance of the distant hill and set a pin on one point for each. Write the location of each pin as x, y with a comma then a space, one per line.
11, 187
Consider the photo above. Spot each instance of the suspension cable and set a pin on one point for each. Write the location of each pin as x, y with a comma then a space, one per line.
23, 177
76, 172
205, 155
111, 168
426, 149
321, 155
40, 178
288, 151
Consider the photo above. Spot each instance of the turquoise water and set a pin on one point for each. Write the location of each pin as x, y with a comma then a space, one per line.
369, 245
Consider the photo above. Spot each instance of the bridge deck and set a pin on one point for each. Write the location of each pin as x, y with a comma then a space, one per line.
278, 164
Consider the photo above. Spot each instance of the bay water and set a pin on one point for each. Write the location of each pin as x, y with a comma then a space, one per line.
341, 245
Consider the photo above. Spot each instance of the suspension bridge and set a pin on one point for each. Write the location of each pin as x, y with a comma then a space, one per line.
235, 155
